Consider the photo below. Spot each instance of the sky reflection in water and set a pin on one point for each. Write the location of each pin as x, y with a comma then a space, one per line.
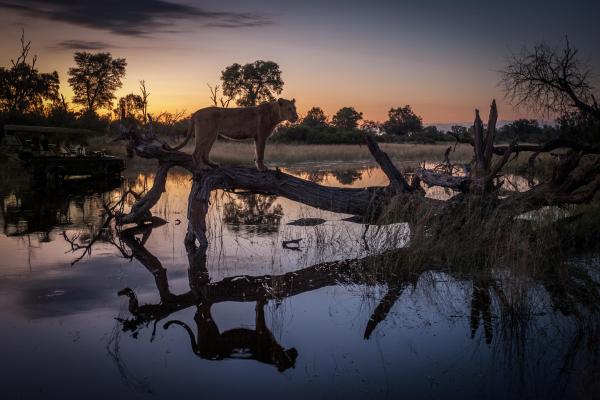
323, 332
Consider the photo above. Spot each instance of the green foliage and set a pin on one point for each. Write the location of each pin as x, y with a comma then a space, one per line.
346, 118
318, 135
402, 121
252, 84
23, 89
95, 79
315, 118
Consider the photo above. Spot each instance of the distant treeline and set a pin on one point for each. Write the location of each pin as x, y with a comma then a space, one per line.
402, 126
30, 97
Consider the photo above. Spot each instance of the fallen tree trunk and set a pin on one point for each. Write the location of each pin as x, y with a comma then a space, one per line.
365, 203
576, 179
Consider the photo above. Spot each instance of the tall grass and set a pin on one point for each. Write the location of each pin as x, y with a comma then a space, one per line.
474, 238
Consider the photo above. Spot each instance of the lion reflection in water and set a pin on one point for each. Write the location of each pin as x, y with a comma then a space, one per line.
255, 344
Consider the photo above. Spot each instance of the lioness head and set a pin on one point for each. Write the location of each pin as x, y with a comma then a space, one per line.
287, 109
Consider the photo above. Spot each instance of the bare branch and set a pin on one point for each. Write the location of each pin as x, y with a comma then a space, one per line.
549, 80
216, 101
145, 95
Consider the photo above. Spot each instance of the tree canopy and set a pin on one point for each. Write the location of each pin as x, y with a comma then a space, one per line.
402, 121
95, 78
347, 118
315, 117
253, 83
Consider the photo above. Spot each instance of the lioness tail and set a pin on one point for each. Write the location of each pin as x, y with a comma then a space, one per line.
187, 137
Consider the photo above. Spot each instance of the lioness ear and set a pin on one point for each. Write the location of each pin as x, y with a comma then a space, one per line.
280, 101
294, 101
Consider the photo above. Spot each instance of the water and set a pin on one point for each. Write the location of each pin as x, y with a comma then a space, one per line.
276, 325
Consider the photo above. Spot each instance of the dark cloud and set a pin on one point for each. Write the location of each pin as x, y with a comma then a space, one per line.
84, 45
131, 17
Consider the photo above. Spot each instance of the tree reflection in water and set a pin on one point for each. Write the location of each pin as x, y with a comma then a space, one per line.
252, 212
347, 176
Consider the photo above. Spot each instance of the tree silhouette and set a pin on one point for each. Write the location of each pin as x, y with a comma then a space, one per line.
252, 84
95, 79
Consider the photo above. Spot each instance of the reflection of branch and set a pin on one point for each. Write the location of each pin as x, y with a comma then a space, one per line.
382, 310
87, 248
237, 288
105, 232
570, 291
113, 348
140, 211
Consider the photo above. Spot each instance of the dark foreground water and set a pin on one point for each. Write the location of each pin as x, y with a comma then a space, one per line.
90, 311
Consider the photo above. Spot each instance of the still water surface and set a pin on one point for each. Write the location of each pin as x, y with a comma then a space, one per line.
90, 311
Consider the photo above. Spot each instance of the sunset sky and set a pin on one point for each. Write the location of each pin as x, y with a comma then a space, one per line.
441, 57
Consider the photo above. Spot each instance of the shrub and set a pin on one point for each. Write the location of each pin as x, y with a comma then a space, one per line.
318, 135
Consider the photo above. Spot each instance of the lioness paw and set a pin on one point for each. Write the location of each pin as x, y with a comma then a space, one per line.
262, 168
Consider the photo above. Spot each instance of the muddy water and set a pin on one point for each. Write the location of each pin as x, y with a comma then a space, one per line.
65, 332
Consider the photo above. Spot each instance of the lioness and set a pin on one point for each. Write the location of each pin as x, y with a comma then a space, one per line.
237, 123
